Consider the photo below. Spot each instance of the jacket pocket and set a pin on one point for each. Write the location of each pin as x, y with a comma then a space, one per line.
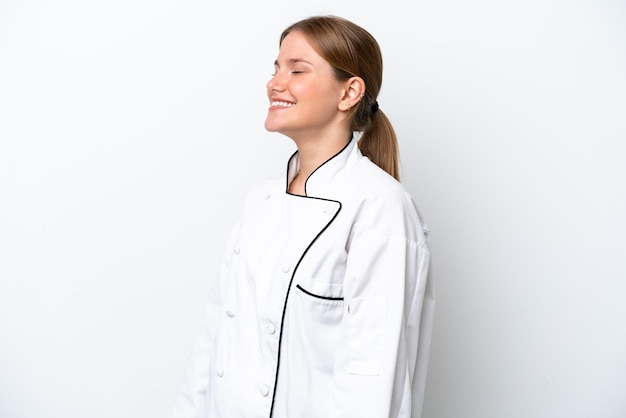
322, 297
364, 334
321, 290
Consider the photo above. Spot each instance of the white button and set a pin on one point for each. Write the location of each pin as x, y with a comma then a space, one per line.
328, 210
230, 313
236, 250
220, 372
285, 268
264, 390
271, 329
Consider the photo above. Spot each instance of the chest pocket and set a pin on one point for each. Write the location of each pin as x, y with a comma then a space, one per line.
321, 290
319, 303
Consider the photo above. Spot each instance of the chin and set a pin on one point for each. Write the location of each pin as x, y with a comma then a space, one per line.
272, 126
269, 126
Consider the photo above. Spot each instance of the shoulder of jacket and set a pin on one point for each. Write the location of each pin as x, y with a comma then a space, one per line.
381, 196
374, 182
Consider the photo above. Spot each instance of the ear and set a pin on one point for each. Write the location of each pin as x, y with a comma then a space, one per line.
353, 93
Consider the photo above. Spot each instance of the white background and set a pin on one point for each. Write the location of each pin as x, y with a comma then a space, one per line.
131, 129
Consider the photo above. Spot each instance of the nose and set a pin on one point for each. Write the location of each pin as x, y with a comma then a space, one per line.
275, 83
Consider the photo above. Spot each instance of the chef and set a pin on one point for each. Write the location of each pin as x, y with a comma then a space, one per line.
323, 307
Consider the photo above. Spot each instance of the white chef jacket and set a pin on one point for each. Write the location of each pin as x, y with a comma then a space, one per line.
324, 307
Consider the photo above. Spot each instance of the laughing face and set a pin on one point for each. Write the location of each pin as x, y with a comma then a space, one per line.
305, 97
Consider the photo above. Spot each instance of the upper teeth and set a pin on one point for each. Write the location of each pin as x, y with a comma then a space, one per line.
282, 104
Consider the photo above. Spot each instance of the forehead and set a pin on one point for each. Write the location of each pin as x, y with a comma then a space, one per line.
295, 47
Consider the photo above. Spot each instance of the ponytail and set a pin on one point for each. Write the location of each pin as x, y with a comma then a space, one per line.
378, 142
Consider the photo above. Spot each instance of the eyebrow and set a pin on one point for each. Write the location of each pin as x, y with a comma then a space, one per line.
292, 61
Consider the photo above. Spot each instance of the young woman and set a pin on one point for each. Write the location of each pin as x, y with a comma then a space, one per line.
324, 307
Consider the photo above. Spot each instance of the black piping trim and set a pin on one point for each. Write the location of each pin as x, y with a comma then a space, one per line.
307, 179
316, 296
293, 274
295, 269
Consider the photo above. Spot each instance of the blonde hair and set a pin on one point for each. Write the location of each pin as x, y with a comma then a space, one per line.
352, 51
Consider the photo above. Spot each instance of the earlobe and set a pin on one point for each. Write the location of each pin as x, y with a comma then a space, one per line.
345, 105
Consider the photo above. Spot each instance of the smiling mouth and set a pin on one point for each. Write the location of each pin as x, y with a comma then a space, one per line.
282, 104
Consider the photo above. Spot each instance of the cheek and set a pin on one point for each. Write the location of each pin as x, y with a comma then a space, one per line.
330, 93
300, 90
320, 95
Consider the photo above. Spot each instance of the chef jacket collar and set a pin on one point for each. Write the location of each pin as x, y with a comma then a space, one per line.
323, 175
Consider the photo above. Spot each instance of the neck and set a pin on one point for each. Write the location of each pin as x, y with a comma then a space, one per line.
312, 154
310, 158
314, 149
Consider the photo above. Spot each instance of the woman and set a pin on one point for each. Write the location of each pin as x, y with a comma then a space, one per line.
324, 307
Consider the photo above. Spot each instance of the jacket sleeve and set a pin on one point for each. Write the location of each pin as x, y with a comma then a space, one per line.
381, 363
193, 391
